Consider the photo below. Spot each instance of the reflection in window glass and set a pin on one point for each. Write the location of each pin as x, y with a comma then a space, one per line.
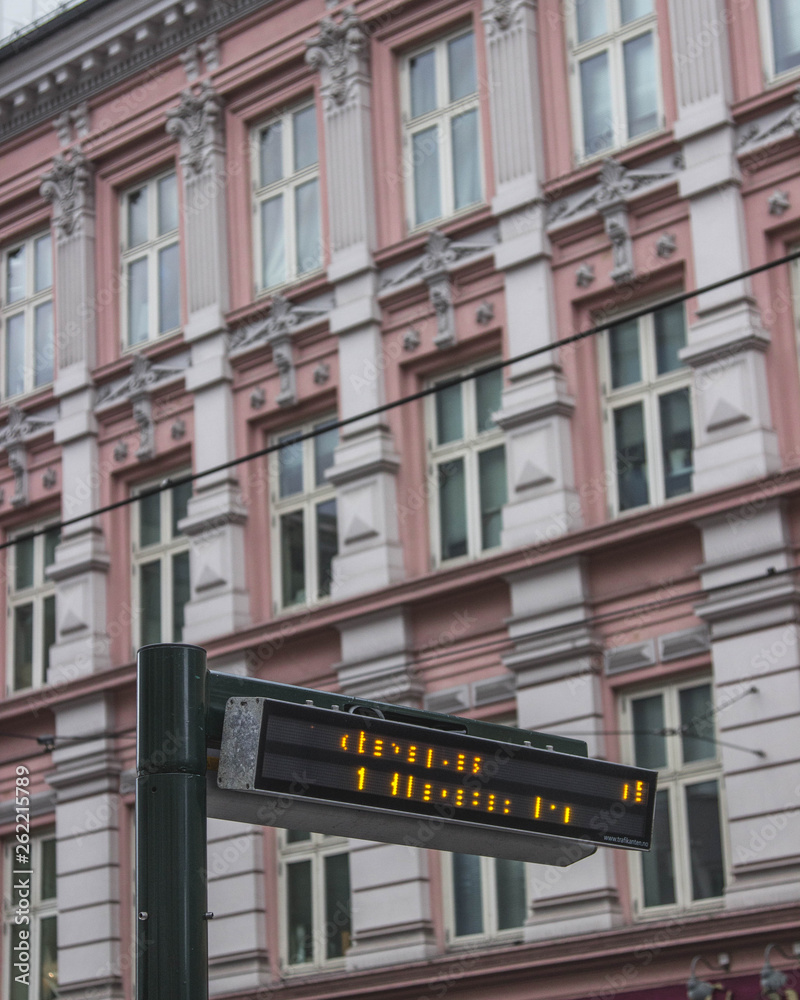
697, 723
422, 72
705, 840
640, 85
648, 732
305, 138
510, 893
271, 150
676, 440
299, 915
467, 894
452, 509
631, 457
598, 128
337, 905
461, 66
657, 863
785, 34
591, 17
427, 201
493, 494
273, 242
449, 414
626, 366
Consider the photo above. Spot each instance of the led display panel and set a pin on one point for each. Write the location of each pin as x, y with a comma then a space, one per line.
397, 767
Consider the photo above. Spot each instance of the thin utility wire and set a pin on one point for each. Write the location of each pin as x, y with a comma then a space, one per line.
171, 483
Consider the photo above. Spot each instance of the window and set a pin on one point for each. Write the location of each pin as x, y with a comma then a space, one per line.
468, 467
672, 730
289, 241
614, 72
486, 897
31, 610
27, 315
441, 132
304, 515
151, 260
160, 565
648, 405
781, 35
315, 899
39, 937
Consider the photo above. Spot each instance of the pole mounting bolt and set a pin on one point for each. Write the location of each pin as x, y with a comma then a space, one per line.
143, 914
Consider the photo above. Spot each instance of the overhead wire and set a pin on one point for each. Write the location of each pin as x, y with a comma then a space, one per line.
170, 483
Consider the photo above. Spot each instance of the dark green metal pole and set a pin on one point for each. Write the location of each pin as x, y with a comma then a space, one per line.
171, 897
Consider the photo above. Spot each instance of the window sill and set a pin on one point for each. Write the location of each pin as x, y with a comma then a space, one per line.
612, 152
168, 338
297, 282
700, 909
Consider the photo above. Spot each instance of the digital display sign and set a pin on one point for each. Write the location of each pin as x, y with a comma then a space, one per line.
332, 756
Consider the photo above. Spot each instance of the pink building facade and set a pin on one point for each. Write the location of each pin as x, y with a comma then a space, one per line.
226, 225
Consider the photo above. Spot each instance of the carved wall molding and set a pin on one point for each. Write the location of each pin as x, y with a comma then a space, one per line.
14, 438
197, 123
440, 255
501, 16
615, 185
201, 57
73, 125
584, 276
779, 202
138, 388
69, 186
283, 318
339, 52
784, 126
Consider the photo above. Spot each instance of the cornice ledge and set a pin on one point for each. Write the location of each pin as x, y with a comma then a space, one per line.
127, 48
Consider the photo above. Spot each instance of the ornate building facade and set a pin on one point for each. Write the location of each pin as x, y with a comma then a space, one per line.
242, 238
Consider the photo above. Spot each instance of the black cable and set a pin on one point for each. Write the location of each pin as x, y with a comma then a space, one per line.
574, 338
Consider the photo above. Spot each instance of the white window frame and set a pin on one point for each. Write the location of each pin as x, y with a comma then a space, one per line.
286, 186
306, 500
440, 117
768, 49
315, 849
27, 307
674, 779
647, 391
489, 905
468, 448
162, 552
149, 250
36, 595
612, 42
40, 909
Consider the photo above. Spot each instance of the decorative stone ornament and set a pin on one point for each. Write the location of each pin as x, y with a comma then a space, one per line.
779, 202
14, 440
339, 53
666, 245
411, 339
500, 15
584, 276
69, 186
138, 388
49, 478
484, 314
197, 124
322, 373
73, 125
257, 398
617, 229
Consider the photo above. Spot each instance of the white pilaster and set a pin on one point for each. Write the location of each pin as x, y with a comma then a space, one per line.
734, 438
390, 885
536, 408
237, 954
755, 642
216, 515
81, 561
558, 691
86, 780
365, 464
